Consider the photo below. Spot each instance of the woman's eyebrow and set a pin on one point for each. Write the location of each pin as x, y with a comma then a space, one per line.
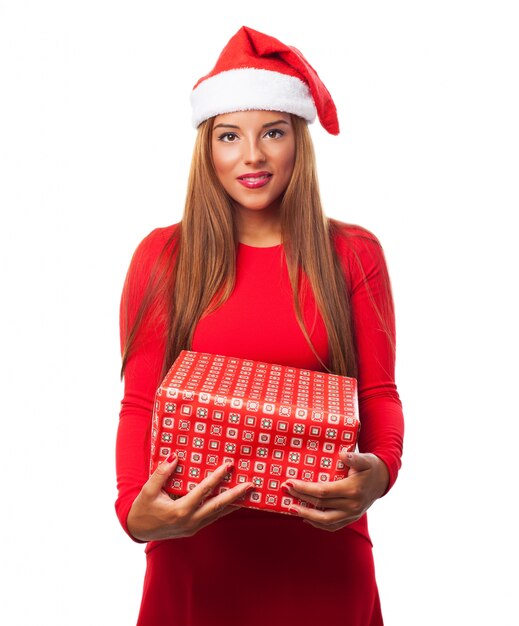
267, 125
225, 126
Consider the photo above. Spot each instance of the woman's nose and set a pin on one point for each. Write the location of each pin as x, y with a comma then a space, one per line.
253, 152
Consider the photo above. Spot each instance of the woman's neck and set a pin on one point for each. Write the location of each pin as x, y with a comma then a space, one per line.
258, 228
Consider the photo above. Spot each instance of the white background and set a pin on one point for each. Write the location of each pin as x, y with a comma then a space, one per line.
95, 144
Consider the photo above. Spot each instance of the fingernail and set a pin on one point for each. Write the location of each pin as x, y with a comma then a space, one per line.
249, 488
229, 467
292, 510
171, 458
285, 489
289, 484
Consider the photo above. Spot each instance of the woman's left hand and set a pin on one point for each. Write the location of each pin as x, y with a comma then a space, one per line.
344, 501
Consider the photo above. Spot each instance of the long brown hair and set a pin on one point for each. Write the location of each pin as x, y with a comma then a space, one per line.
197, 270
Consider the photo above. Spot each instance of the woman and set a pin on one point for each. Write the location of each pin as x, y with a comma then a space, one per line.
254, 270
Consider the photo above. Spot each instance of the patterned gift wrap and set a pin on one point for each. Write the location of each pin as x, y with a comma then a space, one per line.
272, 422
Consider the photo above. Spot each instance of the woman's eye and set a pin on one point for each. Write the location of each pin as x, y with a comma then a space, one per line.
274, 133
228, 137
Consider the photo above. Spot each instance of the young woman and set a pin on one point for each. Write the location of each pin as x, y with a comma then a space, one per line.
254, 270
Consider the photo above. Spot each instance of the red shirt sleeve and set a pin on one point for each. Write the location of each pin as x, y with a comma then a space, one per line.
380, 408
141, 375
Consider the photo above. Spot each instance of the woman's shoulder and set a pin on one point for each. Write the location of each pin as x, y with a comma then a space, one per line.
352, 238
157, 238
154, 243
359, 252
151, 254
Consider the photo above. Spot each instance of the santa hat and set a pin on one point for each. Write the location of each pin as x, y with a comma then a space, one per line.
256, 71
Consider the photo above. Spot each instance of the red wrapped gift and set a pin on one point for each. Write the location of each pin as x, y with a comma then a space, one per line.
272, 422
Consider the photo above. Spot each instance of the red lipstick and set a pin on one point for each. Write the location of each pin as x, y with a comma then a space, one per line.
254, 180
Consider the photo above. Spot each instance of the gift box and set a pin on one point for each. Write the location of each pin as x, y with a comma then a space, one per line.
272, 422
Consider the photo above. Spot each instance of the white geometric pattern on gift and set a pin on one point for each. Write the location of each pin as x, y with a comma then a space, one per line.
273, 422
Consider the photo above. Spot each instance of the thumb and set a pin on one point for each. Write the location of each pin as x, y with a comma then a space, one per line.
355, 460
161, 474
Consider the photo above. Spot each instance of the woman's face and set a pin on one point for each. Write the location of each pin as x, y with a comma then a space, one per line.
253, 156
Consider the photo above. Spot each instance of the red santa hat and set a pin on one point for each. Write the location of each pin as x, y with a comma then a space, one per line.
258, 72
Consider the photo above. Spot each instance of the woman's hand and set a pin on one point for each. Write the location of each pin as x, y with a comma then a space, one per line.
346, 500
154, 515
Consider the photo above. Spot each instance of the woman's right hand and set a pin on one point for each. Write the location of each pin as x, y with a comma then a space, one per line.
154, 515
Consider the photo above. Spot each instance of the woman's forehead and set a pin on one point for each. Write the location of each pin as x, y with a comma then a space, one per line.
254, 117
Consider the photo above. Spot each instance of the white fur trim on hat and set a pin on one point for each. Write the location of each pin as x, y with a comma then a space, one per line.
250, 89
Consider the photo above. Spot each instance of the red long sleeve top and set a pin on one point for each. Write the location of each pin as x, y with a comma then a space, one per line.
258, 322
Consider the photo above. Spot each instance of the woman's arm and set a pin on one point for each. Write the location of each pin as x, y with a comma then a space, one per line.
143, 508
373, 470
141, 378
380, 408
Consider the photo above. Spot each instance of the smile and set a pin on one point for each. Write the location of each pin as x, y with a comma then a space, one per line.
254, 180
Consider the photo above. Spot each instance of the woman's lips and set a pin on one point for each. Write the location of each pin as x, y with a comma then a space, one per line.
254, 180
